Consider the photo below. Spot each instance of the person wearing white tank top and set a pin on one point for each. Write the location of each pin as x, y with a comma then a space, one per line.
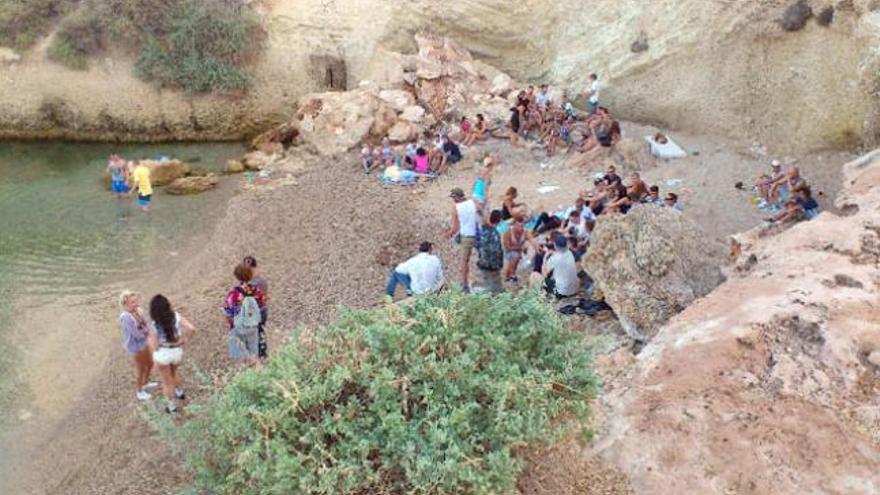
465, 226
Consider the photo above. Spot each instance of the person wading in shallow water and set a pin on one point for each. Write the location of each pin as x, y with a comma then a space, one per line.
141, 182
260, 284
135, 341
168, 342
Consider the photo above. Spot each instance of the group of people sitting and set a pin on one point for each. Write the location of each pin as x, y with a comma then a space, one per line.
417, 160
559, 125
785, 194
510, 239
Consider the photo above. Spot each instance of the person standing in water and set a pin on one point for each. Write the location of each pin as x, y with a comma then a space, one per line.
118, 175
168, 342
262, 285
141, 182
135, 341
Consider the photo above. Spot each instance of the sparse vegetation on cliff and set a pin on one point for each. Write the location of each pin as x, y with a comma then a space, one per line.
194, 45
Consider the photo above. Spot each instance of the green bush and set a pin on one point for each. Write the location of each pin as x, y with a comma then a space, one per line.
61, 51
79, 35
203, 49
433, 397
22, 22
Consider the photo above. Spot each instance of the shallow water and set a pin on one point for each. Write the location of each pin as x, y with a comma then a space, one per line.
63, 237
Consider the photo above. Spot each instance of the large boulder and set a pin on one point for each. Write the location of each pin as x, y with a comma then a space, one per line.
650, 264
164, 172
385, 117
403, 131
193, 185
333, 123
398, 99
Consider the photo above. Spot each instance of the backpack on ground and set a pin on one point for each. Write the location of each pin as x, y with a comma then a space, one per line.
491, 252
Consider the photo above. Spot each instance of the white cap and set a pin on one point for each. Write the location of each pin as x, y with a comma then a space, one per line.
775, 163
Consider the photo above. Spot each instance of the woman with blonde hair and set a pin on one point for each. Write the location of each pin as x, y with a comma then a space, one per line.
135, 340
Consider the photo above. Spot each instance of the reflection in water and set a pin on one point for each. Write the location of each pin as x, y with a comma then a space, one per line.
64, 234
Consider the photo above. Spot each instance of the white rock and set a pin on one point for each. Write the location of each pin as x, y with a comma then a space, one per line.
413, 113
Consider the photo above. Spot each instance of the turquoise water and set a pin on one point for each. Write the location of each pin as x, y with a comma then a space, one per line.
62, 234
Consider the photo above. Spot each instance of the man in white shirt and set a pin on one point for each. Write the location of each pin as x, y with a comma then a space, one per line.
421, 274
593, 94
560, 270
543, 97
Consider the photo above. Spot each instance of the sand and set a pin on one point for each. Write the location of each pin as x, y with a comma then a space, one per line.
328, 240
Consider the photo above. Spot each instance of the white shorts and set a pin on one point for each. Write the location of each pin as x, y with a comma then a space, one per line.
168, 355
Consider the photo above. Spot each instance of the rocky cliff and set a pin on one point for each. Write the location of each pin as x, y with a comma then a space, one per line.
770, 383
719, 66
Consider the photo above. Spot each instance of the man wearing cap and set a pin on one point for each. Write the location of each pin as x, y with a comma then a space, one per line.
421, 274
465, 224
765, 184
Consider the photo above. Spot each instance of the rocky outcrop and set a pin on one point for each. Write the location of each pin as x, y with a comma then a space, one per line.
767, 384
193, 185
765, 76
164, 172
650, 264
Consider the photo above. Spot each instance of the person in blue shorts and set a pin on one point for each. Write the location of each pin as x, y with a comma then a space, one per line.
118, 175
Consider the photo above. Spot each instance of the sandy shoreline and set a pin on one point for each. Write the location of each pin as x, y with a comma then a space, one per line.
327, 241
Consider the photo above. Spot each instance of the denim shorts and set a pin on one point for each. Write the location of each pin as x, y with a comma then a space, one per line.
144, 200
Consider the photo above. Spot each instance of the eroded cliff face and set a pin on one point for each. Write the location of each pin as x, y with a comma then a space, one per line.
718, 66
770, 383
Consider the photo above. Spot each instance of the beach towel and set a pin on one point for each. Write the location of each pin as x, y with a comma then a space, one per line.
670, 149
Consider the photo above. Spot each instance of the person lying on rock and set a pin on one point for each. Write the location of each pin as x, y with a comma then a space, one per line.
422, 274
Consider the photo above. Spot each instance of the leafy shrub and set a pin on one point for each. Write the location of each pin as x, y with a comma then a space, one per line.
22, 22
61, 51
206, 42
433, 397
80, 34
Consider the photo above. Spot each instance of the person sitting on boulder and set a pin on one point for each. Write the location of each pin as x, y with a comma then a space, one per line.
410, 153
436, 154
611, 178
791, 213
509, 207
809, 206
671, 201
637, 187
785, 187
653, 197
764, 184
621, 202
422, 274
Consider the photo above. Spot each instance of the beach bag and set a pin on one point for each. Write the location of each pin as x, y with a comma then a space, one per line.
491, 252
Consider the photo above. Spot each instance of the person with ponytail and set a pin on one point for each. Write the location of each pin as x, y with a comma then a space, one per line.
167, 342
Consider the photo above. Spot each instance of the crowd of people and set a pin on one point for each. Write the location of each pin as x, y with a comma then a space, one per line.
155, 339
512, 238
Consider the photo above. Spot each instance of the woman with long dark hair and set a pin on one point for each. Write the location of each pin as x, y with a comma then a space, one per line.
168, 342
